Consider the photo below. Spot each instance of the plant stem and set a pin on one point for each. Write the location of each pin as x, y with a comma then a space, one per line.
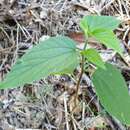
80, 76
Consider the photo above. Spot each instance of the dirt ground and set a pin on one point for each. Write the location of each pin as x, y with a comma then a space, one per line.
47, 104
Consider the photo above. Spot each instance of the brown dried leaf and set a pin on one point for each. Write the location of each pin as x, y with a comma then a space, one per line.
77, 36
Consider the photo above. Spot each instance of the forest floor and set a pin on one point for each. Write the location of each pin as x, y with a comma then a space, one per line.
47, 104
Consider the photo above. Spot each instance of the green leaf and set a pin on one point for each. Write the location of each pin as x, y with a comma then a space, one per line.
93, 56
101, 28
108, 38
56, 55
92, 23
84, 26
113, 93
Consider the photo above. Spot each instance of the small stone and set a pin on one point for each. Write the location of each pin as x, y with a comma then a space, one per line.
43, 14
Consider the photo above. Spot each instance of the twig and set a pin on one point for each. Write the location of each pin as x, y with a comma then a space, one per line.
27, 129
66, 113
83, 113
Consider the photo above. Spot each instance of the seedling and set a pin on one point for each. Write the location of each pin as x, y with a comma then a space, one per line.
59, 55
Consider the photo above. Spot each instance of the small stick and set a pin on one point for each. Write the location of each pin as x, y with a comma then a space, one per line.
66, 115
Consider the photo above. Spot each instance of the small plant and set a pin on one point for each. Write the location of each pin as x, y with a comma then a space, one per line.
59, 55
